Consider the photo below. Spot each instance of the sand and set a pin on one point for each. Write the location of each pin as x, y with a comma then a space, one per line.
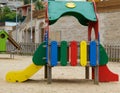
65, 79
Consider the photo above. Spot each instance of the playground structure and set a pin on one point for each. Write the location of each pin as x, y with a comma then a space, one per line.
85, 53
4, 36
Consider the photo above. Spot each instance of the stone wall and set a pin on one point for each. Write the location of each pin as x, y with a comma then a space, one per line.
71, 29
111, 27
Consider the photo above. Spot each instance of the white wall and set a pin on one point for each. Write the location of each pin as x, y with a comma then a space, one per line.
38, 30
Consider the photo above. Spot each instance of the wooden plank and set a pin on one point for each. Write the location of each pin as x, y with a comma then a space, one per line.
119, 53
108, 3
115, 53
110, 57
39, 14
14, 42
108, 6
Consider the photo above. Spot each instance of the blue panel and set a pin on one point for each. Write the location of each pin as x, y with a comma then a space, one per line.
54, 53
93, 48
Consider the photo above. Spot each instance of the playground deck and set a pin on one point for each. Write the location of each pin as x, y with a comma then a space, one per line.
65, 79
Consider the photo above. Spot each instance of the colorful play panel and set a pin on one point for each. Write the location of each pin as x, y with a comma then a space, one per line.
74, 53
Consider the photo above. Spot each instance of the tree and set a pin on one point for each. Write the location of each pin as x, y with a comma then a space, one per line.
2, 18
28, 1
35, 0
39, 5
6, 9
6, 14
11, 16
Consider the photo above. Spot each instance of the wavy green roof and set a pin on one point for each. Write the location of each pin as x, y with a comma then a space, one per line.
84, 11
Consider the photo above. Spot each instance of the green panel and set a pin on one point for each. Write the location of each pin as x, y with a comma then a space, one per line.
63, 53
84, 11
3, 39
40, 55
103, 56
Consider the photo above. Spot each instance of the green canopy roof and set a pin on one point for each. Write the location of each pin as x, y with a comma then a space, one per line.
83, 11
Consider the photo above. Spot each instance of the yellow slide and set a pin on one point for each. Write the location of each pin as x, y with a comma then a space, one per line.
38, 63
22, 75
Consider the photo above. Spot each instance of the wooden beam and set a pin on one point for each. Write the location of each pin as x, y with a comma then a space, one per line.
108, 6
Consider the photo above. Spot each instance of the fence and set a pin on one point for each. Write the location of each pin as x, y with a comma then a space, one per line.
112, 50
27, 48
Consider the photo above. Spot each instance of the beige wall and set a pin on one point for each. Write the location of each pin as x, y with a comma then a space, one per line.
38, 30
109, 28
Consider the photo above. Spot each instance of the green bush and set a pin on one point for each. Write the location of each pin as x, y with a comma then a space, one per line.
39, 5
28, 1
6, 14
11, 16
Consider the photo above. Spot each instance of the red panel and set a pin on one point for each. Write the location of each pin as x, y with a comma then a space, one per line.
73, 56
105, 75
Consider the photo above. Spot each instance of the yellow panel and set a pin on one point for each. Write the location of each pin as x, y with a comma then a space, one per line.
22, 75
83, 53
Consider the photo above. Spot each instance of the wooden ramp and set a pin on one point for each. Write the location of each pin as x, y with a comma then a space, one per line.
14, 42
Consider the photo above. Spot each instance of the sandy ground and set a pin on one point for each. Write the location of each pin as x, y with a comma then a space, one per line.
65, 79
